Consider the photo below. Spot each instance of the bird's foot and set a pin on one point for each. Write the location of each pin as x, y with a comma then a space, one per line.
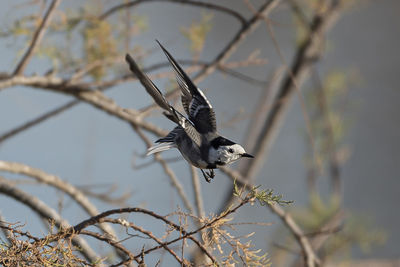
211, 173
208, 175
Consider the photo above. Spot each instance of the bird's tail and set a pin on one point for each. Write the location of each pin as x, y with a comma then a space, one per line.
159, 148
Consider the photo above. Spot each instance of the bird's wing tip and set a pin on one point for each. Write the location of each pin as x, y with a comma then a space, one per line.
128, 57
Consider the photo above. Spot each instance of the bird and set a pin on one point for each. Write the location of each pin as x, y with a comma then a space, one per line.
195, 135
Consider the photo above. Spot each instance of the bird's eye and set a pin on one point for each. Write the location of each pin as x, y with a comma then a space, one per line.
230, 150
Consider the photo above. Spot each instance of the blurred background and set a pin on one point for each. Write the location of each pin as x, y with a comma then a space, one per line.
334, 148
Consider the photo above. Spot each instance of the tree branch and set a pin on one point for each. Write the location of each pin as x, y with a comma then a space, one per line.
37, 37
231, 47
48, 213
56, 182
211, 6
38, 120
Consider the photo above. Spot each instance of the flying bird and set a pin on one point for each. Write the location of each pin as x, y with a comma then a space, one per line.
195, 136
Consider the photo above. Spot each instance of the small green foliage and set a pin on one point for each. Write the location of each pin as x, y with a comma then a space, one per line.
236, 190
267, 197
197, 32
264, 197
99, 43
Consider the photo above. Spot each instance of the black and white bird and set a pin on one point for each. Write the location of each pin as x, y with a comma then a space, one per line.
196, 137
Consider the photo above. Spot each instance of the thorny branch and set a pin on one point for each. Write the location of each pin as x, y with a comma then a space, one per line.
58, 183
47, 213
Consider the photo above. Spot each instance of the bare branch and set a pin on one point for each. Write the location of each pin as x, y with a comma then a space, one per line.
231, 47
307, 53
10, 81
197, 191
248, 28
181, 2
37, 37
311, 258
38, 120
168, 171
152, 236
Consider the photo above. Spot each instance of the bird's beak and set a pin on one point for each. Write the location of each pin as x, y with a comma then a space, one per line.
247, 155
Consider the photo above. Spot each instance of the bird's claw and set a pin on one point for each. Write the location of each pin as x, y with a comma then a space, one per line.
208, 175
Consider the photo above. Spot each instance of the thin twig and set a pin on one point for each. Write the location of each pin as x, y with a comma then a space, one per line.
38, 120
334, 166
181, 2
197, 191
37, 37
231, 47
8, 82
7, 231
152, 236
116, 245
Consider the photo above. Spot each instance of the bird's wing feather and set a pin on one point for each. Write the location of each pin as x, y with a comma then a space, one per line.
178, 131
158, 97
194, 101
150, 87
159, 148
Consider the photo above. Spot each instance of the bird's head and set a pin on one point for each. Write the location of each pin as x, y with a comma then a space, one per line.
229, 154
225, 151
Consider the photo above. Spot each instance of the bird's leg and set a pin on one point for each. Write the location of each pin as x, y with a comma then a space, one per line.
206, 176
211, 173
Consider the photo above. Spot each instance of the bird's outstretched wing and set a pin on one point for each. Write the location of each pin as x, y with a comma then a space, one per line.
194, 101
171, 113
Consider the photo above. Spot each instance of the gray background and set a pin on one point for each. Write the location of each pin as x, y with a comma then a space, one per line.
85, 146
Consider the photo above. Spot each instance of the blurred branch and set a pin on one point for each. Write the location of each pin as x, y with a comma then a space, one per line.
310, 258
294, 5
333, 225
38, 120
231, 47
334, 166
48, 213
106, 196
197, 191
37, 37
248, 28
174, 180
86, 93
11, 81
306, 54
181, 2
367, 263
286, 218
